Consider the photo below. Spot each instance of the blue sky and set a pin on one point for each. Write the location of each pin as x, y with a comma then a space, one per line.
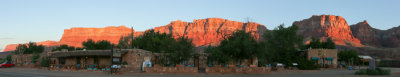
22, 21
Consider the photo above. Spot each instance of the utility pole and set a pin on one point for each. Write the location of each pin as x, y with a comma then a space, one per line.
111, 56
133, 37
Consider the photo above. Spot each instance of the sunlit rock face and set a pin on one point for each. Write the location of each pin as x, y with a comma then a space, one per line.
202, 32
324, 26
75, 36
12, 47
209, 31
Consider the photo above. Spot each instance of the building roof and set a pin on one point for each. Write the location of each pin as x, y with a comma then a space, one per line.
365, 57
86, 53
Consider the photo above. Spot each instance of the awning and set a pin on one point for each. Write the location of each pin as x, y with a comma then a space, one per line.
329, 58
314, 58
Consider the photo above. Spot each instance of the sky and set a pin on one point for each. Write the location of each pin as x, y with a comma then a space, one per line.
22, 21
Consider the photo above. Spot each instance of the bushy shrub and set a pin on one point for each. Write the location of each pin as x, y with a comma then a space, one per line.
361, 72
304, 64
45, 62
377, 71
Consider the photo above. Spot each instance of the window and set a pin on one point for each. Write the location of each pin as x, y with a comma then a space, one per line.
329, 62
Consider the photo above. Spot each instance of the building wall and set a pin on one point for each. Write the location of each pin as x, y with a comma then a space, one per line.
104, 61
70, 61
23, 60
135, 59
322, 54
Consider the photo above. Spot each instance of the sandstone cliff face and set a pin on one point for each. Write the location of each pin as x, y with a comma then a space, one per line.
202, 32
391, 37
10, 47
366, 34
75, 36
209, 31
325, 26
377, 38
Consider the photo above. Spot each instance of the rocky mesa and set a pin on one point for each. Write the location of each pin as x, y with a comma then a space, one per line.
327, 26
75, 36
208, 31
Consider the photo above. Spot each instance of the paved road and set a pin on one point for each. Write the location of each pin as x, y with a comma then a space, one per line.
32, 72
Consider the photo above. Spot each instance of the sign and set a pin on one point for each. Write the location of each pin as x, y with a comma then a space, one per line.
116, 52
372, 64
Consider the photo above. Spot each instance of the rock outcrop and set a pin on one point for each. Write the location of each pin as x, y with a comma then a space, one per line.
366, 34
10, 47
378, 38
209, 31
75, 36
327, 26
202, 32
391, 37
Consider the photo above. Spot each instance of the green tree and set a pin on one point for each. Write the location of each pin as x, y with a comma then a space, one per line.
103, 44
30, 48
349, 56
35, 57
125, 42
316, 43
178, 50
237, 46
216, 55
59, 48
182, 50
329, 44
153, 41
9, 58
99, 45
305, 64
283, 44
45, 62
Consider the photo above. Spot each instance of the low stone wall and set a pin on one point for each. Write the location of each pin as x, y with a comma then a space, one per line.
237, 69
171, 69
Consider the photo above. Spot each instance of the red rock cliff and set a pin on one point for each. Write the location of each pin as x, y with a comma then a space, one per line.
374, 37
75, 36
209, 31
203, 32
366, 34
324, 26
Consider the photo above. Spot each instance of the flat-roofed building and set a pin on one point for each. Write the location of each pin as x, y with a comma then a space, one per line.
324, 57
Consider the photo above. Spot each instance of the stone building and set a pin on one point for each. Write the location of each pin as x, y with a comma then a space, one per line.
324, 57
23, 60
97, 59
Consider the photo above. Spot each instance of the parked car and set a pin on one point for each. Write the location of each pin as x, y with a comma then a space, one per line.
6, 64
